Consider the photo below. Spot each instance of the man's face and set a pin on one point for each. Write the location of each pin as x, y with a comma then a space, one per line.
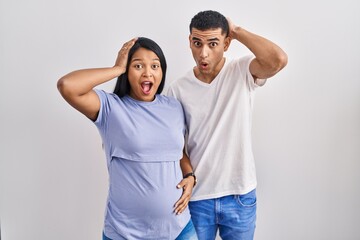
208, 49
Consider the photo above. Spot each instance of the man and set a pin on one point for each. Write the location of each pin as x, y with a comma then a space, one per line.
217, 97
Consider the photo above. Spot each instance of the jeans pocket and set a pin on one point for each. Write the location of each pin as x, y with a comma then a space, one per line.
247, 200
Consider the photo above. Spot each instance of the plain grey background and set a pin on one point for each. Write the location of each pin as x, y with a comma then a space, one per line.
306, 128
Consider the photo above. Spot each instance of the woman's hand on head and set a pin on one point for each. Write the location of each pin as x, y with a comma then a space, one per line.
121, 60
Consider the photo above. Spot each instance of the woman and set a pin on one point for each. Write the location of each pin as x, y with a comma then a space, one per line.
143, 137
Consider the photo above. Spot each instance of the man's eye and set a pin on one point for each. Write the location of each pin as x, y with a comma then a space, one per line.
197, 44
213, 44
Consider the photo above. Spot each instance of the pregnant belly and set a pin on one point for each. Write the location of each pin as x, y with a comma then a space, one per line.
154, 204
138, 203
144, 191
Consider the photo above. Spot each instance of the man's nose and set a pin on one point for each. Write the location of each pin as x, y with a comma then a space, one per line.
204, 53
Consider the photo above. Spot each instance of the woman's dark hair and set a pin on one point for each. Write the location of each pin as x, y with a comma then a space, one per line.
209, 19
122, 86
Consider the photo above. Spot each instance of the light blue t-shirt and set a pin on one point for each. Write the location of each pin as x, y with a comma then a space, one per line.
143, 143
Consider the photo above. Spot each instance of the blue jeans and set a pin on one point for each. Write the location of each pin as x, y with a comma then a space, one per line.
233, 215
188, 233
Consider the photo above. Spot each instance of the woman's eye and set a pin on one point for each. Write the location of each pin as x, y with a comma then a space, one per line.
155, 66
138, 66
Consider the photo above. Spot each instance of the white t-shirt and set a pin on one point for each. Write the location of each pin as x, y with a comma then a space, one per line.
218, 118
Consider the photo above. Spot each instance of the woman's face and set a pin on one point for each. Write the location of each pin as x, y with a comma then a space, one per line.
144, 75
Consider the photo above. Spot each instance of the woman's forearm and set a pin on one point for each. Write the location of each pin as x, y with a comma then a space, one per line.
80, 82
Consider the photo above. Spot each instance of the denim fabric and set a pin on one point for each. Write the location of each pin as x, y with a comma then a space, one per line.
188, 233
105, 237
234, 216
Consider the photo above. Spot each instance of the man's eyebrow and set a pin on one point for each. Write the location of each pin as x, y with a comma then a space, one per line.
213, 39
196, 39
209, 40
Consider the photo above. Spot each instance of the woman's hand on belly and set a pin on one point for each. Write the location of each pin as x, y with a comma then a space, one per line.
186, 185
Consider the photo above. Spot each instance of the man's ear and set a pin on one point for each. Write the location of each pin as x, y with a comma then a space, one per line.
227, 42
190, 40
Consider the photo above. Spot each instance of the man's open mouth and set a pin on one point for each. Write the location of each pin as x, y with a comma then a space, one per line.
203, 65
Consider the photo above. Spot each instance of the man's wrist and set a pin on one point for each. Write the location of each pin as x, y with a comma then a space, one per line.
237, 32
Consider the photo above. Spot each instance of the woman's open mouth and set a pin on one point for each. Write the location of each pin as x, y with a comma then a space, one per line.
146, 87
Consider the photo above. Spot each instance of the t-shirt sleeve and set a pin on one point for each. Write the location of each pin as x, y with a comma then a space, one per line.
181, 109
250, 81
105, 106
170, 92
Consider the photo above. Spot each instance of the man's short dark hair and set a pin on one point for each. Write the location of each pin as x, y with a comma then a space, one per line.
209, 19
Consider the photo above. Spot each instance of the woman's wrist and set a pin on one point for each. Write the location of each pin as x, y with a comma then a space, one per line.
191, 174
119, 70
